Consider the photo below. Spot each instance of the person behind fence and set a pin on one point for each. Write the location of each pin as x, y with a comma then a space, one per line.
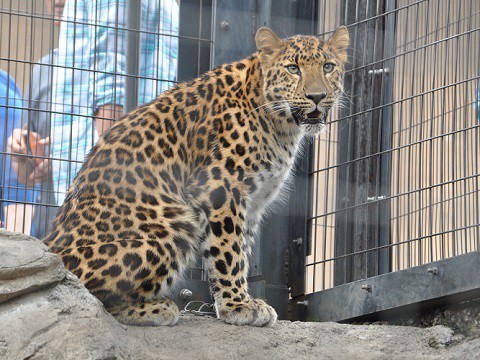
89, 81
36, 169
15, 212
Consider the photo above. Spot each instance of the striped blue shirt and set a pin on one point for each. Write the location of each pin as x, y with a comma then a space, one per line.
91, 72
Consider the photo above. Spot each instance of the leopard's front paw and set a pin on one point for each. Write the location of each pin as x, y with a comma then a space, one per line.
252, 312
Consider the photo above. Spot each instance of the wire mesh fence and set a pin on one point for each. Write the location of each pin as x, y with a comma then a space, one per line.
72, 67
69, 65
396, 176
19, 22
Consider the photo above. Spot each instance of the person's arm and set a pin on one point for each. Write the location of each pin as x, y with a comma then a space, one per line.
16, 197
33, 169
110, 60
18, 217
106, 116
17, 214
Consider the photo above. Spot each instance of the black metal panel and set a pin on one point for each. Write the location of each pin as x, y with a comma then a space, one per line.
194, 48
362, 221
421, 284
234, 30
275, 258
299, 229
199, 290
302, 193
384, 207
345, 174
285, 234
236, 23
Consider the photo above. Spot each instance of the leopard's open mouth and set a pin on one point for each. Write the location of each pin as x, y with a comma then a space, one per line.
314, 117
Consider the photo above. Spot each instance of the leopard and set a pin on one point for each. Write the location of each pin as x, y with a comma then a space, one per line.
191, 174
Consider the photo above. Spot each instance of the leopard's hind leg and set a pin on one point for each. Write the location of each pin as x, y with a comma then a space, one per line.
133, 277
150, 313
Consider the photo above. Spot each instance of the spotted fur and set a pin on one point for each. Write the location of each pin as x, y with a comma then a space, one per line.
192, 172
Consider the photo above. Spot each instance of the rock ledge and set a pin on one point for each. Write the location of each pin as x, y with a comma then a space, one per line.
46, 313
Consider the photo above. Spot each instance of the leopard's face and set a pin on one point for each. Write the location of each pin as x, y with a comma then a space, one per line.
303, 76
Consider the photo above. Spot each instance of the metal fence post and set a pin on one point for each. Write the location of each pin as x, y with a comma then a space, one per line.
134, 12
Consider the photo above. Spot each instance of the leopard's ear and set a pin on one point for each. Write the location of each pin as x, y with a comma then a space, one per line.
339, 42
267, 41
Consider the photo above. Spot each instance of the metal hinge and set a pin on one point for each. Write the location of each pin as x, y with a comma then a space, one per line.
286, 267
298, 241
379, 71
376, 198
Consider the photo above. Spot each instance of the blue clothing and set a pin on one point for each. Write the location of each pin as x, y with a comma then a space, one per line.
37, 116
91, 72
11, 191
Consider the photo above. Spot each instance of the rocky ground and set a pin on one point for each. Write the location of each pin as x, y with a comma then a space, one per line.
45, 313
463, 318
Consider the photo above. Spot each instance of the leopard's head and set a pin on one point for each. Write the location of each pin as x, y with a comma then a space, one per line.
302, 75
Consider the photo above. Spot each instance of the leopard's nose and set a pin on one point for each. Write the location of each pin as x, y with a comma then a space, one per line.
316, 98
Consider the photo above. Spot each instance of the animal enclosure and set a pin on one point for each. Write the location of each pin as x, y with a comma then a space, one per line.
390, 186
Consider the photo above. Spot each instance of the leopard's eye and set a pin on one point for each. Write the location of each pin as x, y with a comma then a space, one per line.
328, 67
293, 69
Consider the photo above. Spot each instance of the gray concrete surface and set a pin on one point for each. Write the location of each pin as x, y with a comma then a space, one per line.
46, 313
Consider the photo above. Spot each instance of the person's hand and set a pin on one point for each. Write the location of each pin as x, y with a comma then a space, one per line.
30, 166
106, 116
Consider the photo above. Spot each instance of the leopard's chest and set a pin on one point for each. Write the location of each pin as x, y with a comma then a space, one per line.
269, 186
271, 181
